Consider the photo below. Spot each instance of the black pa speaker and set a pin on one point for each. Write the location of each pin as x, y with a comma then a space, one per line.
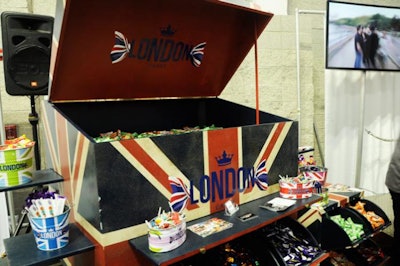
26, 52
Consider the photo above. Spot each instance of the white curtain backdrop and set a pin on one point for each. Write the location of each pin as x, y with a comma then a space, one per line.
379, 122
4, 230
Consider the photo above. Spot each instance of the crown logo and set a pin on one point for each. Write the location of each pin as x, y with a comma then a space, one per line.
225, 159
167, 31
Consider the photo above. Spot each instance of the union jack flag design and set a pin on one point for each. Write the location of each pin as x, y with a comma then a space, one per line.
296, 190
197, 54
51, 233
143, 169
120, 49
10, 176
316, 173
261, 176
180, 194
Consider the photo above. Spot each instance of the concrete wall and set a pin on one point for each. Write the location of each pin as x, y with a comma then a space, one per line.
278, 78
277, 59
278, 83
16, 109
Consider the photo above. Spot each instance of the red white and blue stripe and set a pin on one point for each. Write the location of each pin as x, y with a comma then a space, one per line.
120, 49
261, 176
51, 233
180, 194
197, 54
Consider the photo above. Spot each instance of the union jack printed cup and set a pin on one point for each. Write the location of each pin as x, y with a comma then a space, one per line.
51, 233
15, 166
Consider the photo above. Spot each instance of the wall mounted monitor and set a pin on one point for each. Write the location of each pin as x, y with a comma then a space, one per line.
362, 37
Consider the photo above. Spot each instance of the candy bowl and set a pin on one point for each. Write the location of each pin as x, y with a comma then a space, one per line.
317, 173
48, 213
16, 157
167, 231
295, 187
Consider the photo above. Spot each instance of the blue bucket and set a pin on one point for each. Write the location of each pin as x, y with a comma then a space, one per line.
51, 233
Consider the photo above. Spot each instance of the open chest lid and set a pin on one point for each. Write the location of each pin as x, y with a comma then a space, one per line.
128, 49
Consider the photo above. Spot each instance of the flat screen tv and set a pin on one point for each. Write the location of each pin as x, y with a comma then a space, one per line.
362, 37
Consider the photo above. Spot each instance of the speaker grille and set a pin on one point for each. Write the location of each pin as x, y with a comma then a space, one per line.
29, 68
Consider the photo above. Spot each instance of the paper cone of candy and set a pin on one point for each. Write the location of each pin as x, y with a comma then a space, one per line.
167, 230
48, 215
316, 173
16, 161
298, 187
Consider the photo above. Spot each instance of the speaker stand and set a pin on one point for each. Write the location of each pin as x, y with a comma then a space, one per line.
34, 120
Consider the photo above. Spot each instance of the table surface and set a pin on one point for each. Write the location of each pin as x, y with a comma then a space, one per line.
22, 249
39, 177
194, 243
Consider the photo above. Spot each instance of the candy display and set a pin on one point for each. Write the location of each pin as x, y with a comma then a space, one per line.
44, 203
229, 255
370, 253
374, 219
167, 231
366, 253
298, 187
48, 214
17, 143
294, 248
233, 253
121, 135
16, 157
354, 230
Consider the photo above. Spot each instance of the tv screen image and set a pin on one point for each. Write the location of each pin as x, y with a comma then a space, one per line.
362, 37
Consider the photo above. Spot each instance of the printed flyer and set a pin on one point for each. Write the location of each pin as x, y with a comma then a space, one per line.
209, 227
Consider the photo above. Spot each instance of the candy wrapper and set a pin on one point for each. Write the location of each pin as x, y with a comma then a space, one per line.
17, 143
374, 219
165, 220
45, 204
294, 248
121, 135
354, 230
